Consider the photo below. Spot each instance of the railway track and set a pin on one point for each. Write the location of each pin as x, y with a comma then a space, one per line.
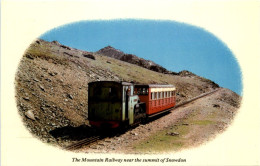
94, 139
195, 98
82, 142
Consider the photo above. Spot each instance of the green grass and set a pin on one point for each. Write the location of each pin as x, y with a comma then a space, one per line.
202, 122
44, 52
162, 142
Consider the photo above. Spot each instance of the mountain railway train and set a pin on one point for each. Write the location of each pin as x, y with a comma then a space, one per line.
112, 104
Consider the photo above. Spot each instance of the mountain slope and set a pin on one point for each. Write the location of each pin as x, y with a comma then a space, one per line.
51, 86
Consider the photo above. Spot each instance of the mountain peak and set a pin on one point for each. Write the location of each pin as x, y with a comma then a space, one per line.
133, 59
111, 52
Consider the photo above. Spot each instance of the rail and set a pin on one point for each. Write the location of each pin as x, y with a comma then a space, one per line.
83, 142
195, 98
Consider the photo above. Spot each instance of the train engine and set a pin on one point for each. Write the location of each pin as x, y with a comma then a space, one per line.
112, 104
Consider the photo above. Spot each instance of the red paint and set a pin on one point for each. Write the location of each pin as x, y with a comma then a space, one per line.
155, 106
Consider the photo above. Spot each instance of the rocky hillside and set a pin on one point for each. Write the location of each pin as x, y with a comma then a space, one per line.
52, 84
133, 59
148, 64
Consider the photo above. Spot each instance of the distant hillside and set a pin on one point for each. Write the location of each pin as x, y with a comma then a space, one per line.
52, 84
133, 59
148, 64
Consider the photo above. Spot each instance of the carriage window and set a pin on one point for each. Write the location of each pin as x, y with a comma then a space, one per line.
141, 91
145, 90
135, 91
172, 93
162, 94
155, 95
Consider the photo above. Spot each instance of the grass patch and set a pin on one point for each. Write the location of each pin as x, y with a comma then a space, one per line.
46, 54
202, 122
163, 142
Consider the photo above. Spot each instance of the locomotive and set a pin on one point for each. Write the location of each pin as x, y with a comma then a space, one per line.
112, 104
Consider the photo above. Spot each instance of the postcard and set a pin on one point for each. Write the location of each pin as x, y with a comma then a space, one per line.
130, 83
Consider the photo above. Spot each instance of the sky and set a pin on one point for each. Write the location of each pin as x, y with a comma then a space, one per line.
173, 45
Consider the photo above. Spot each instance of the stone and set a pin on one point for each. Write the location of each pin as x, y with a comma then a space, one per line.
66, 47
47, 79
56, 42
68, 54
216, 105
29, 114
36, 80
185, 124
172, 133
70, 96
101, 144
93, 147
90, 56
134, 133
108, 141
53, 73
42, 88
29, 56
26, 98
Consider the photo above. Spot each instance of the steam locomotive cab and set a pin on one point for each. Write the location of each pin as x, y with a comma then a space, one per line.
111, 104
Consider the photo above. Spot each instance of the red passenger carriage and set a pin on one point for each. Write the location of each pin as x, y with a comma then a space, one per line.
157, 97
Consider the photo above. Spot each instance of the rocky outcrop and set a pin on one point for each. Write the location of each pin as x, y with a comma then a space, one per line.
133, 59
